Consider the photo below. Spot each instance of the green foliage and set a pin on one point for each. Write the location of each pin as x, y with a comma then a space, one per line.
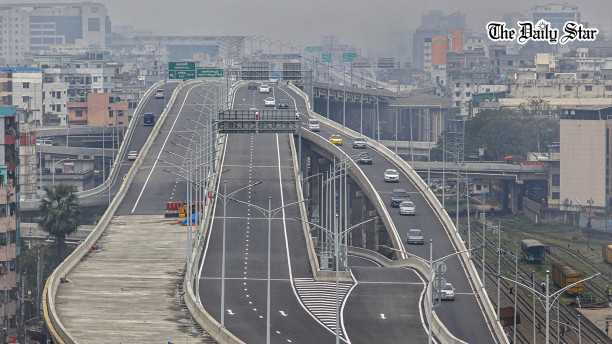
508, 132
60, 212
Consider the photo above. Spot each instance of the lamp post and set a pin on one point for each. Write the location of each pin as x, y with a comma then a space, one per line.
54, 163
431, 264
548, 296
269, 213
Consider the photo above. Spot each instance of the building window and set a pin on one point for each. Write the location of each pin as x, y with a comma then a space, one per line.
457, 94
608, 87
119, 113
568, 88
111, 113
26, 85
555, 195
478, 187
78, 113
457, 103
93, 24
588, 88
467, 84
510, 62
467, 94
556, 180
457, 84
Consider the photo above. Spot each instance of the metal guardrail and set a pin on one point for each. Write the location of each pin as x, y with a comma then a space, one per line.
440, 212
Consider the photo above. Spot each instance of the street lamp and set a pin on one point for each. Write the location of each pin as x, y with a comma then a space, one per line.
269, 214
55, 163
431, 270
549, 296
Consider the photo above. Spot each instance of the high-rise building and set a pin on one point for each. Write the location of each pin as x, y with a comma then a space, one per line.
433, 23
439, 47
29, 28
9, 226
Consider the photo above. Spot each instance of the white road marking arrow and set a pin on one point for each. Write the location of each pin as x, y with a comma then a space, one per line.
283, 313
229, 311
382, 316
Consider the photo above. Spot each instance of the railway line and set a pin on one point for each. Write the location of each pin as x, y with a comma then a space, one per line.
589, 332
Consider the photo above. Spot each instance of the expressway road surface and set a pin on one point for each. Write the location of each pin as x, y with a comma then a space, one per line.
128, 290
302, 311
453, 314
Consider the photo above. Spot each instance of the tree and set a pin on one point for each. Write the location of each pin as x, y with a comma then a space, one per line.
508, 132
60, 213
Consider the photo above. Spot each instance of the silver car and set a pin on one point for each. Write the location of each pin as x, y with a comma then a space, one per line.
407, 208
391, 175
359, 142
415, 236
447, 292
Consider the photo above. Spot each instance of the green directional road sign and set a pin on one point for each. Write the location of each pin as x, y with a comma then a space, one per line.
348, 57
209, 73
315, 49
326, 57
181, 74
181, 65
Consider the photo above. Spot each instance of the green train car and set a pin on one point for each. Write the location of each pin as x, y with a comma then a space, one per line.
564, 274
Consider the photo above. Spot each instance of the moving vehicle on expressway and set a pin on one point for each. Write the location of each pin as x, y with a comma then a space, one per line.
269, 101
398, 196
313, 125
447, 292
149, 119
264, 88
252, 85
282, 104
159, 94
336, 139
132, 155
359, 142
365, 159
415, 236
407, 208
391, 176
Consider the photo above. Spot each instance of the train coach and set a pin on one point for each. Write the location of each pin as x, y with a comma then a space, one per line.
606, 253
533, 250
564, 274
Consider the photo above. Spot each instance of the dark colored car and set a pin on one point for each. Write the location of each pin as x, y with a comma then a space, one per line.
252, 85
398, 196
365, 159
282, 104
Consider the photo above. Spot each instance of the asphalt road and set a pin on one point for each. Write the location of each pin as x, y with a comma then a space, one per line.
265, 158
140, 135
453, 314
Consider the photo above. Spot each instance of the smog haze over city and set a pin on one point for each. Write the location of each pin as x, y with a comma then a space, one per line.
366, 24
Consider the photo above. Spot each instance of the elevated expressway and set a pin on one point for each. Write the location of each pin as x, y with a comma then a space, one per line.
127, 291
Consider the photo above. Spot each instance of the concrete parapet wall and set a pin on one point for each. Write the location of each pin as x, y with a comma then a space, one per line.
448, 225
58, 332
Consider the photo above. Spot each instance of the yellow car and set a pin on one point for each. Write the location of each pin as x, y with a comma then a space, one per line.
336, 139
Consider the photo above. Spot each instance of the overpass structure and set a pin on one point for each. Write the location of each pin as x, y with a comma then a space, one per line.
122, 294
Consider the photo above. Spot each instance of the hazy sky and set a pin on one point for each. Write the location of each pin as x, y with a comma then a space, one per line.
360, 22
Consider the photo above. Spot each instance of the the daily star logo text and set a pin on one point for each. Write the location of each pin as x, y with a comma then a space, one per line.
540, 32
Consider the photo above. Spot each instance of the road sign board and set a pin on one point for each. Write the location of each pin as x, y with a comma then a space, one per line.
181, 65
439, 282
386, 62
209, 73
326, 57
348, 57
181, 74
315, 49
440, 268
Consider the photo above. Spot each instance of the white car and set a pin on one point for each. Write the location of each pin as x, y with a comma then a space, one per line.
297, 115
269, 101
313, 125
159, 93
407, 208
391, 176
132, 155
273, 80
264, 88
447, 292
359, 142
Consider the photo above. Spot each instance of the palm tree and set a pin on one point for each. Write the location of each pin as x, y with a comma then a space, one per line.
60, 213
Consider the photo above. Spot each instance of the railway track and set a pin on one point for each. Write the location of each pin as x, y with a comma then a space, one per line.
589, 332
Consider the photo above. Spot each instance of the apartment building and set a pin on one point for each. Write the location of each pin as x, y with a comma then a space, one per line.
99, 109
9, 229
31, 28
